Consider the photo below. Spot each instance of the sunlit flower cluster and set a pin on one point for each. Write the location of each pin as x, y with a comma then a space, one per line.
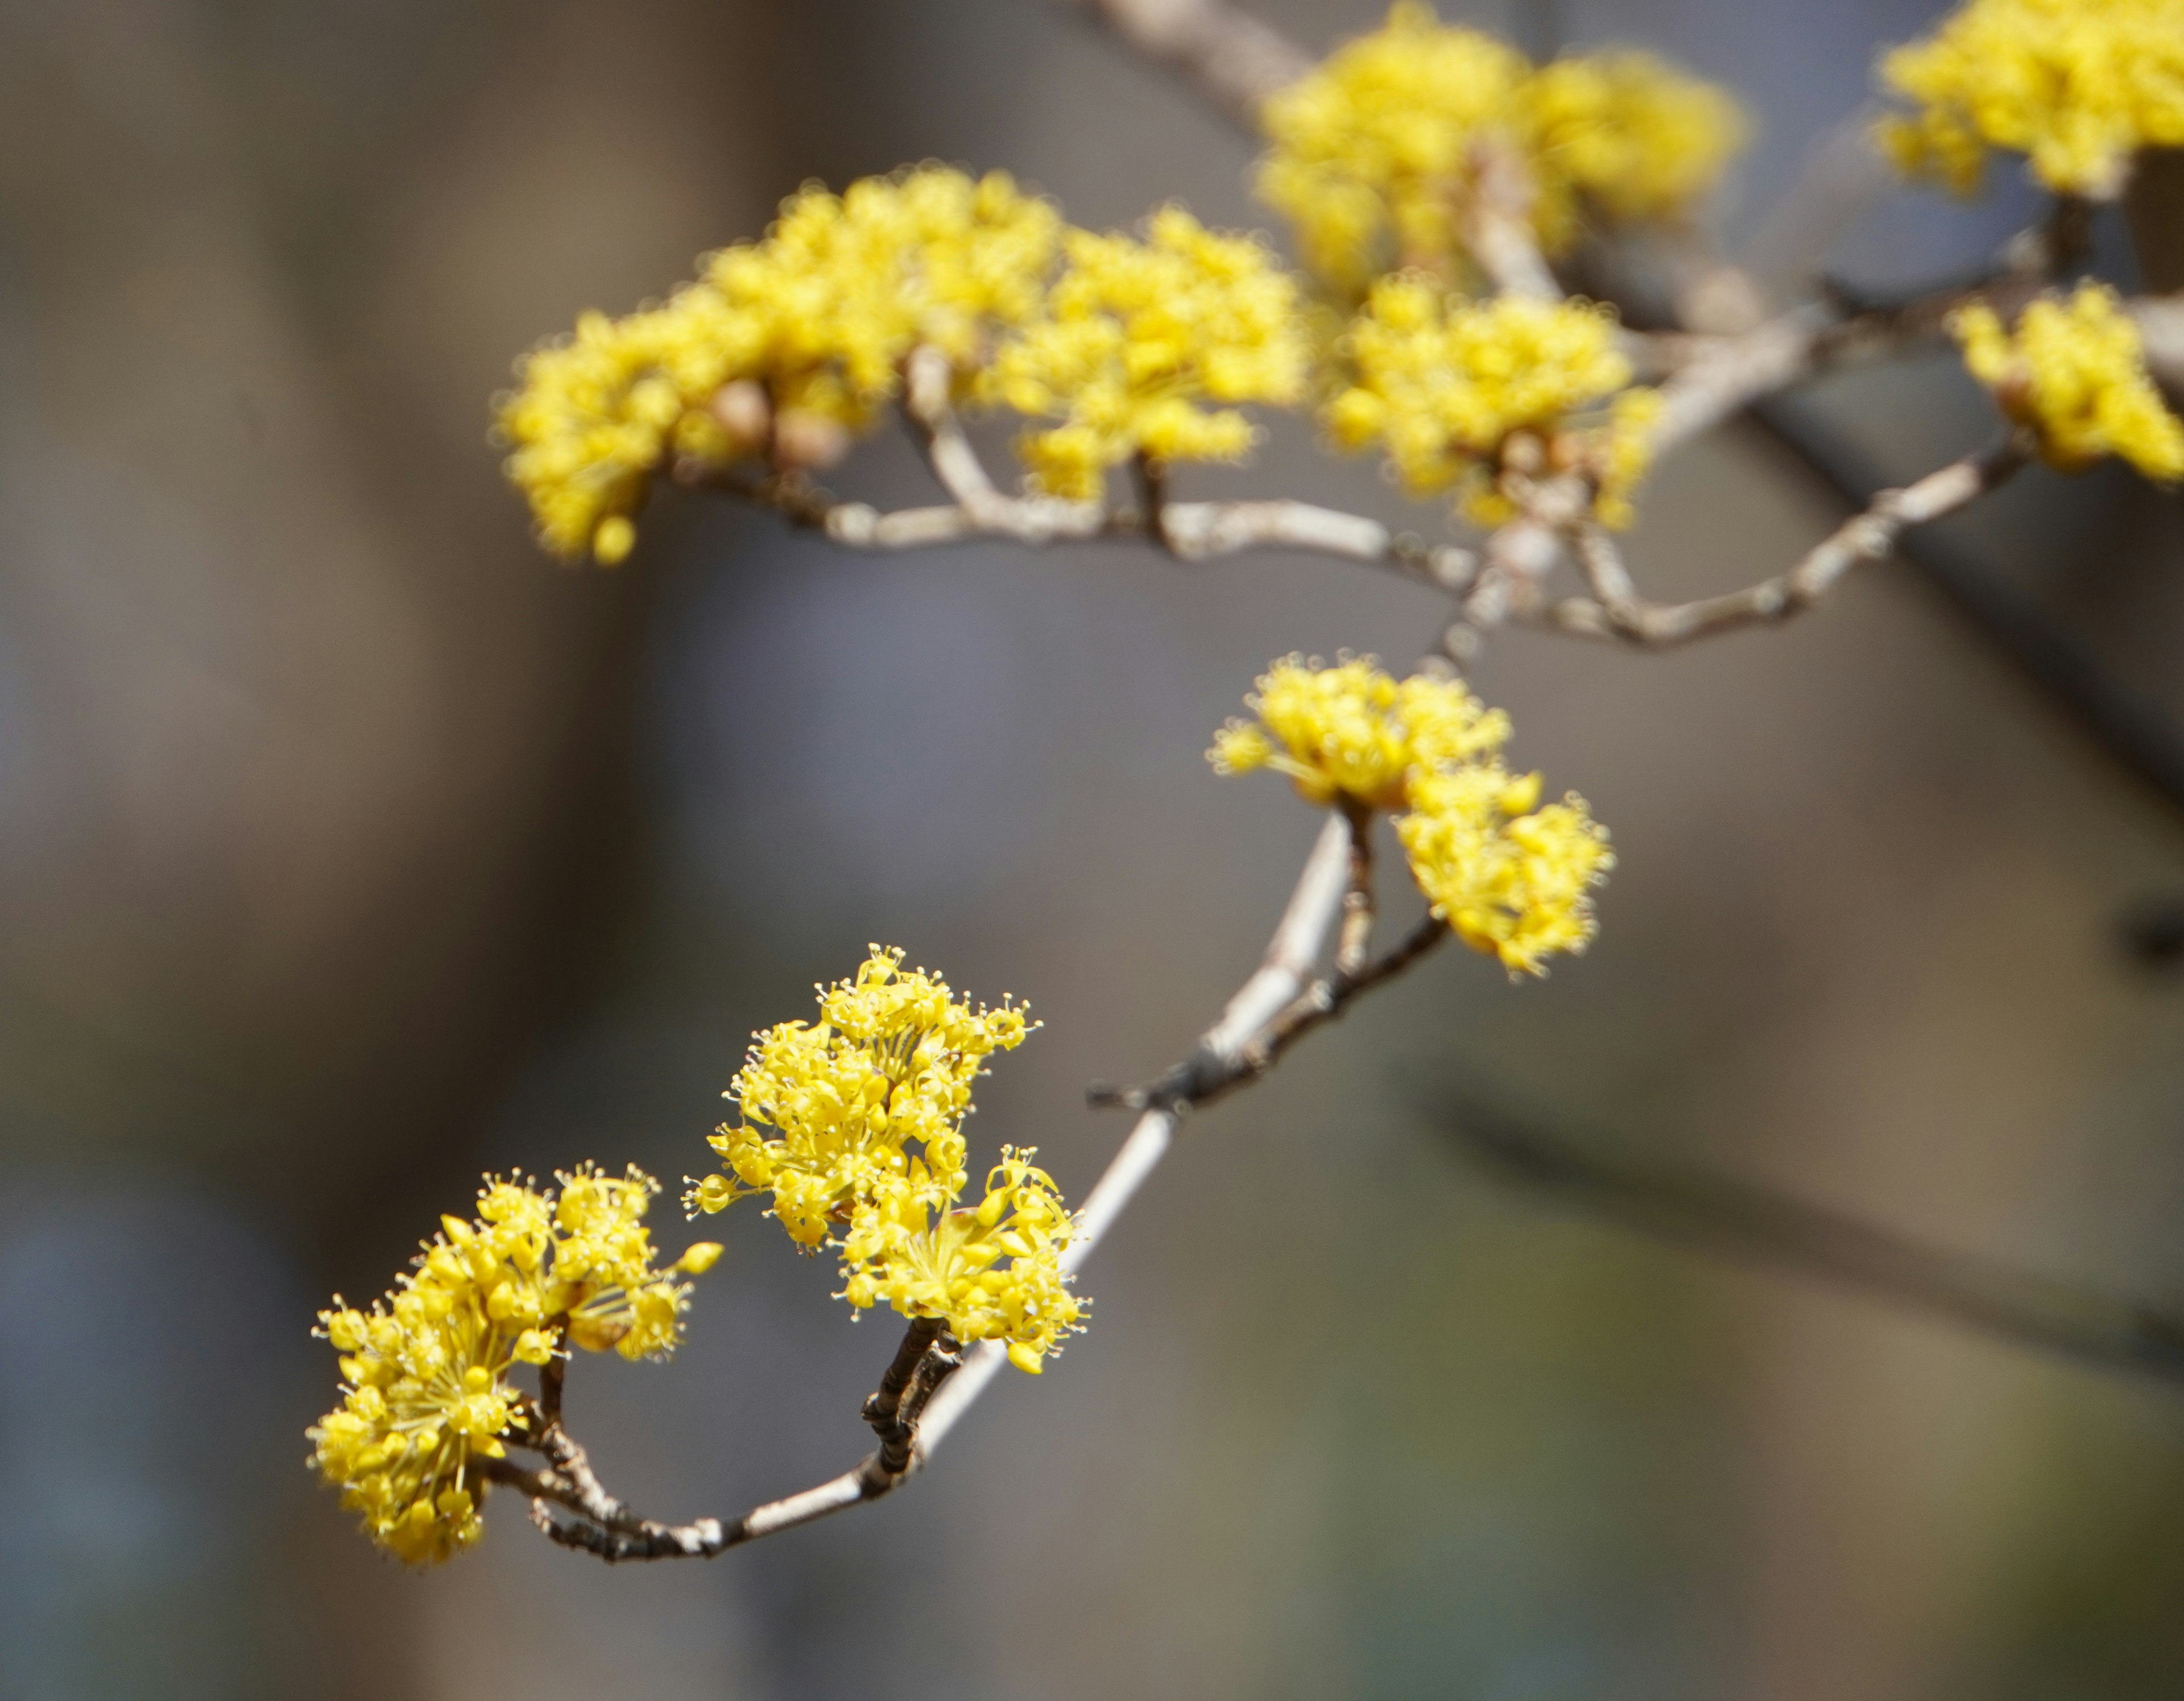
1352, 732
783, 348
990, 1271
874, 1092
1631, 137
1138, 339
1446, 387
854, 1126
2073, 371
2078, 86
1376, 154
1510, 878
425, 1371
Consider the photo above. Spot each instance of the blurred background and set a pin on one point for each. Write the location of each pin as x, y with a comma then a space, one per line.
348, 847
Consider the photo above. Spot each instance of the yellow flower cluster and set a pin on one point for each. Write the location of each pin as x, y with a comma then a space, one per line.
855, 1125
783, 347
1510, 879
1351, 731
2074, 372
831, 1110
1375, 153
2078, 86
1446, 385
1137, 337
424, 1390
1632, 136
927, 1261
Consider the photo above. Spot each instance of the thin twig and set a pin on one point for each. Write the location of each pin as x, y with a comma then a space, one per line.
1718, 1214
1497, 227
2130, 731
1231, 58
1354, 942
1205, 1076
1616, 611
929, 1385
603, 1527
977, 512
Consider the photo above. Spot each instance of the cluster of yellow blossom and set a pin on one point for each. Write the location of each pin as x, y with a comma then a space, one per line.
1510, 879
930, 1261
1351, 731
783, 347
425, 1369
1376, 153
2074, 372
1628, 134
2078, 86
1136, 336
853, 1124
1447, 386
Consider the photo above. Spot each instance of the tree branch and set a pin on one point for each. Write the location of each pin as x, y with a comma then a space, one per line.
929, 1384
1733, 1218
2132, 732
1207, 1075
1616, 612
1234, 59
1356, 939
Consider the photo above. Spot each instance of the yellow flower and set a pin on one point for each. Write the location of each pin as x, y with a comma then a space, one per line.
847, 285
1136, 337
991, 1272
831, 1111
784, 347
1375, 153
425, 1390
1353, 731
2075, 371
1631, 135
1442, 384
2078, 86
1510, 879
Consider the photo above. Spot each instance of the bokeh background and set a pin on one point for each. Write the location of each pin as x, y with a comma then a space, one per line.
347, 848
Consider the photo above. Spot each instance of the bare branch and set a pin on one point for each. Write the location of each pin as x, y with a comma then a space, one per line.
929, 1384
1193, 531
1498, 228
1717, 1215
2131, 730
1615, 611
1235, 60
603, 1527
1356, 939
2160, 320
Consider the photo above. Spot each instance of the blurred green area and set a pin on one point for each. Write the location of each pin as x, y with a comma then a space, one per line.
348, 848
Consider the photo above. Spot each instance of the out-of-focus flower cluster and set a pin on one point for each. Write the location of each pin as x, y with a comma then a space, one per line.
854, 1126
1137, 337
2073, 371
1510, 878
424, 1370
2078, 86
782, 347
1455, 391
1378, 154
